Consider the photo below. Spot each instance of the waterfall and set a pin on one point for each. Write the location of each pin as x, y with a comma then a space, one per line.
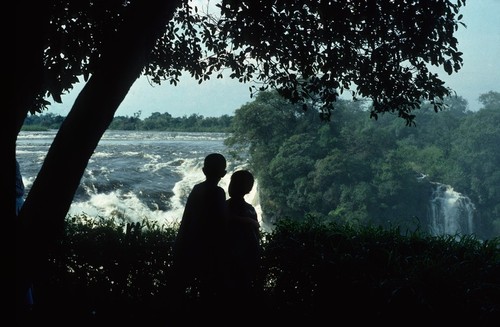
450, 212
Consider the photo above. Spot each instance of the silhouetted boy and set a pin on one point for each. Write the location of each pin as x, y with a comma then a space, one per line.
244, 248
199, 245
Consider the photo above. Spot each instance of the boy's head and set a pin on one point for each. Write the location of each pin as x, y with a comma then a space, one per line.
241, 183
214, 166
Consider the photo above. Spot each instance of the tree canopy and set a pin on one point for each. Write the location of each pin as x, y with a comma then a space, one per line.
306, 49
374, 49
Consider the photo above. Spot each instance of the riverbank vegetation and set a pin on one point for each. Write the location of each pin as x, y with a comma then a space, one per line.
311, 271
374, 172
155, 122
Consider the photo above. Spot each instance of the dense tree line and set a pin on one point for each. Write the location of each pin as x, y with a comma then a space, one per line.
156, 121
361, 171
165, 122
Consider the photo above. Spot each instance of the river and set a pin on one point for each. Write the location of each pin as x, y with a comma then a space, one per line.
134, 176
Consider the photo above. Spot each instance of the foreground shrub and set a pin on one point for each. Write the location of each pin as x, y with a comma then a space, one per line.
311, 271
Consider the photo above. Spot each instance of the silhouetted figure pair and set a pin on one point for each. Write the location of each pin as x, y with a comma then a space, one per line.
209, 271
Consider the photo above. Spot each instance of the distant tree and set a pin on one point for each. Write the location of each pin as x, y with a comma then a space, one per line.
126, 123
490, 99
379, 50
47, 121
475, 159
158, 121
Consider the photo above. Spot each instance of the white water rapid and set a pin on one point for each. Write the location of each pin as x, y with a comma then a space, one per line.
450, 212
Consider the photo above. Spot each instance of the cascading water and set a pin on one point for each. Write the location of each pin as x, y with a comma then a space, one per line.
450, 212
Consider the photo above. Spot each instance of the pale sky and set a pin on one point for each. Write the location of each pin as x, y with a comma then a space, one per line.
480, 43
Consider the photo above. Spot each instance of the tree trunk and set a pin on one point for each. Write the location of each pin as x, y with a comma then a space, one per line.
52, 192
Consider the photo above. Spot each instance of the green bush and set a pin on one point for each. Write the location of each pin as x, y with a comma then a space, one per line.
311, 271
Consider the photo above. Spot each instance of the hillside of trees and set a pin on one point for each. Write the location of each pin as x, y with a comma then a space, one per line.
368, 171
